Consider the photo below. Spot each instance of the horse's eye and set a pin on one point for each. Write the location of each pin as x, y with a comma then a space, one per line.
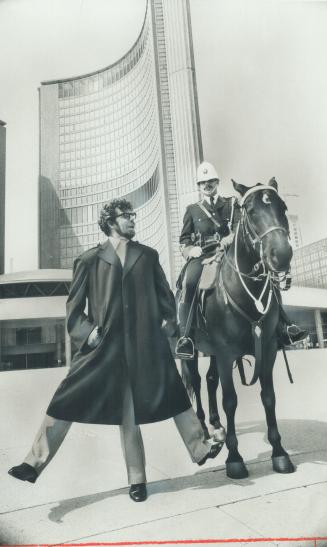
266, 199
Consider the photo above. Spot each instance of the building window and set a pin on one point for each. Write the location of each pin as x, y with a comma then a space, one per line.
30, 335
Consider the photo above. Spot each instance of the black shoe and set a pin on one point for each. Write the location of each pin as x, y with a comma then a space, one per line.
24, 472
213, 452
184, 348
137, 492
292, 334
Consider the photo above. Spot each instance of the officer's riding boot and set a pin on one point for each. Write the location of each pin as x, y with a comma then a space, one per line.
185, 345
289, 333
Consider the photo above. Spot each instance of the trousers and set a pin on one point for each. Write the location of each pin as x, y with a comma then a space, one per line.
187, 305
53, 432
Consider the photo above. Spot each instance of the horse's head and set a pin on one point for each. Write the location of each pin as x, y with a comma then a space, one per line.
265, 224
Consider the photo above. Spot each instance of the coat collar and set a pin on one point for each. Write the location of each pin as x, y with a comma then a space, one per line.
108, 253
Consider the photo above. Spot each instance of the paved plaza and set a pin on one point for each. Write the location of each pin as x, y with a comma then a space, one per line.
82, 496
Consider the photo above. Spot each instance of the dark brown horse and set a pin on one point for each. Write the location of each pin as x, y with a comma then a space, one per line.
242, 315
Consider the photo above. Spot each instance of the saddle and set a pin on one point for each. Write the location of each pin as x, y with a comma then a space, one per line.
210, 272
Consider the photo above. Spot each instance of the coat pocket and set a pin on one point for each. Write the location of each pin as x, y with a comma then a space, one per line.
88, 349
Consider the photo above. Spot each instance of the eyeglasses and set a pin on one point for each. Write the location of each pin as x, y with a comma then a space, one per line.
127, 216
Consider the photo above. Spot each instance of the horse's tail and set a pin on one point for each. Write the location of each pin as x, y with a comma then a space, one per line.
187, 378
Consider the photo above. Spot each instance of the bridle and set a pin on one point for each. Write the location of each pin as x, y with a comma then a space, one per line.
255, 239
247, 225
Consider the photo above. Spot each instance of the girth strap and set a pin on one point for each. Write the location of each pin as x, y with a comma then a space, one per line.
239, 363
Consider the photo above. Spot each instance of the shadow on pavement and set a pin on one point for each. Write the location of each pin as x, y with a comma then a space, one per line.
301, 438
64, 507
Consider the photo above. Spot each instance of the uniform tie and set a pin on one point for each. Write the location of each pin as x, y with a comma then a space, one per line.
212, 202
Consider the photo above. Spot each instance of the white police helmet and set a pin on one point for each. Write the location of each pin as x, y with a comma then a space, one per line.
206, 171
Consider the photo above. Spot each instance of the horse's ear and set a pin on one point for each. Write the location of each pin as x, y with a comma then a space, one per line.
273, 183
239, 187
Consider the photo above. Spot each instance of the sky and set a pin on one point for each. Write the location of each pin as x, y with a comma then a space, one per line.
262, 87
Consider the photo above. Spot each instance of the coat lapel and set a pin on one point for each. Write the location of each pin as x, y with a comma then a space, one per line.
108, 254
133, 253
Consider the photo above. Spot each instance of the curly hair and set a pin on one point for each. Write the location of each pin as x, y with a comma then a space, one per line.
108, 213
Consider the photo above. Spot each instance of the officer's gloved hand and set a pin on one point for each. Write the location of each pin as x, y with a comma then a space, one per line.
195, 252
226, 241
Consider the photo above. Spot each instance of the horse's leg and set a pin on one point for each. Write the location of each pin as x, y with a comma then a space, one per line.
193, 380
219, 433
280, 459
235, 467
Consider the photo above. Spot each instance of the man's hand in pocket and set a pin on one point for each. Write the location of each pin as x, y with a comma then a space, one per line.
94, 338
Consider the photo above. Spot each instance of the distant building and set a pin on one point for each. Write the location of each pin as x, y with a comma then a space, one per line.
130, 130
293, 219
309, 265
308, 307
295, 231
2, 193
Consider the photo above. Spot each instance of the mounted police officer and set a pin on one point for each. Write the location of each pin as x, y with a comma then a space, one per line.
209, 225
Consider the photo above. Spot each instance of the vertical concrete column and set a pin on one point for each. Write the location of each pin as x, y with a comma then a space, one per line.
68, 348
2, 193
318, 323
178, 113
49, 204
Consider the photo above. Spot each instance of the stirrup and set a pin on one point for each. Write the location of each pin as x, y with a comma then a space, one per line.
182, 355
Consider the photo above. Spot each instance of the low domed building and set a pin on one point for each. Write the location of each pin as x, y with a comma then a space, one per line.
32, 319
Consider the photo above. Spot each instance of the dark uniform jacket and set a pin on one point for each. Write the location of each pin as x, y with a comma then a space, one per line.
128, 304
198, 229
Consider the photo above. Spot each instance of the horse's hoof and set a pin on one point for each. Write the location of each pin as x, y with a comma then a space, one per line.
219, 435
236, 470
282, 464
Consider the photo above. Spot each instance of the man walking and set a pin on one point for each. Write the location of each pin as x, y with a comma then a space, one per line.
123, 372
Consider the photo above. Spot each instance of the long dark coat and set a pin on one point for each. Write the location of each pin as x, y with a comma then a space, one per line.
129, 305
